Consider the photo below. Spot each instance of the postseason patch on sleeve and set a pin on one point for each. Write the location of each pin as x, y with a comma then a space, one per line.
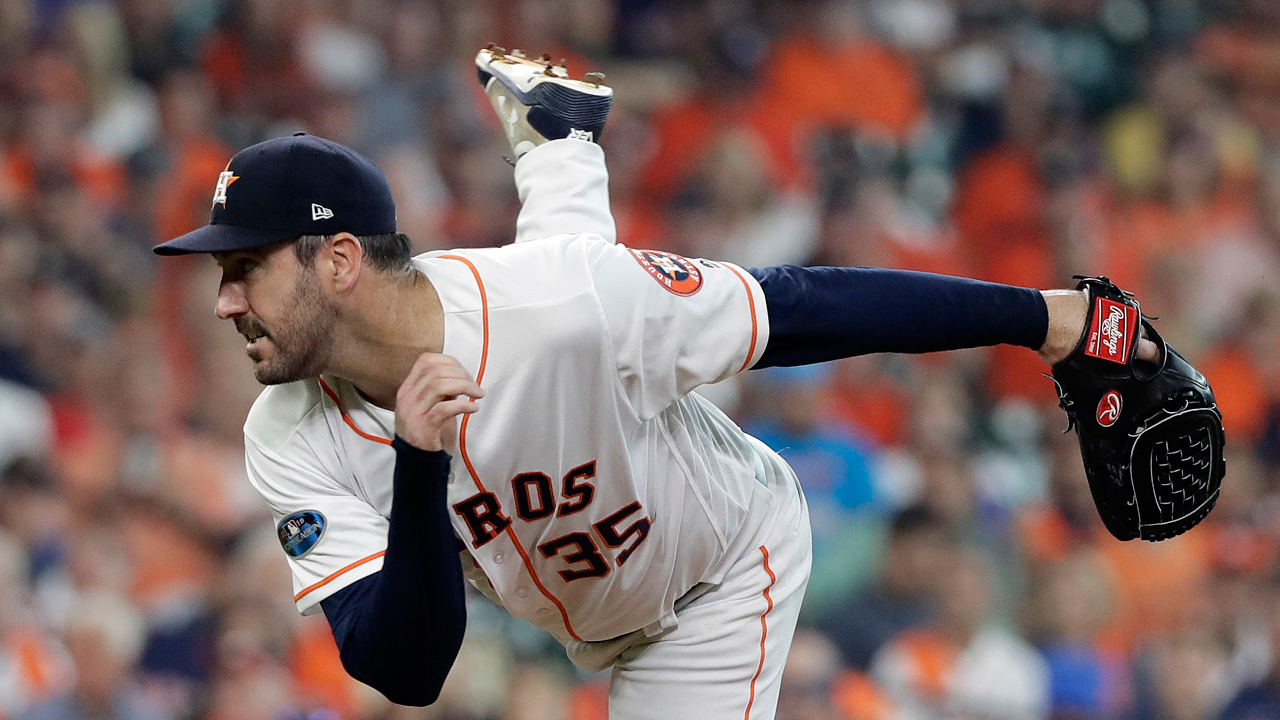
1111, 332
300, 532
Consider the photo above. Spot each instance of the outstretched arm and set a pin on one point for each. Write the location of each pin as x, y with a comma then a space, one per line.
824, 313
399, 629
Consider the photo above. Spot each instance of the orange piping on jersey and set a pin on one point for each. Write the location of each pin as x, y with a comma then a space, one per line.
751, 302
764, 631
329, 579
347, 418
462, 447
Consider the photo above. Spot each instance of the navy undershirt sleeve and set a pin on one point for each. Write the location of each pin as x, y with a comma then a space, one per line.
399, 629
826, 313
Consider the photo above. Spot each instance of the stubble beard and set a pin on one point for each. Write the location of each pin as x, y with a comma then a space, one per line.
302, 337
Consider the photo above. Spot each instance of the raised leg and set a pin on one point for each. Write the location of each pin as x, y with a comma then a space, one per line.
552, 123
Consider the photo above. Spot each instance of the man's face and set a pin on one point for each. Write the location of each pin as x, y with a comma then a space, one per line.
280, 308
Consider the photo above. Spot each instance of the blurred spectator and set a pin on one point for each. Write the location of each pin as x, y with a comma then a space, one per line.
834, 467
905, 595
1261, 700
1067, 608
1068, 523
1016, 140
869, 398
104, 637
536, 692
962, 664
809, 678
1186, 678
35, 514
735, 212
33, 665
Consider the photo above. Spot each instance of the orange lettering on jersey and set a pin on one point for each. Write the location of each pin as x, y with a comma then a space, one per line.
673, 272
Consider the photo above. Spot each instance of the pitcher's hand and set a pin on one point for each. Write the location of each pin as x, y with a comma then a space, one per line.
430, 400
1068, 310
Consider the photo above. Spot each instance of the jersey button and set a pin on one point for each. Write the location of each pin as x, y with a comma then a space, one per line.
544, 611
498, 557
522, 592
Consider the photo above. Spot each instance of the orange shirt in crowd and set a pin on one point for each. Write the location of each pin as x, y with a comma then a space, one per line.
997, 214
1249, 54
1240, 388
857, 697
876, 404
102, 180
1046, 537
171, 557
1140, 233
862, 85
41, 671
184, 199
1154, 584
868, 87
932, 662
685, 131
589, 701
317, 669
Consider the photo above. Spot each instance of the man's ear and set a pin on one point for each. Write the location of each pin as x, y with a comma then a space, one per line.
345, 258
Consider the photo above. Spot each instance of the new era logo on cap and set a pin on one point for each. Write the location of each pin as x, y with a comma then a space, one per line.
320, 212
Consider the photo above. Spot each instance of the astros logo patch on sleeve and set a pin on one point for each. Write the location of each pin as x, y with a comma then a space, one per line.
300, 532
673, 272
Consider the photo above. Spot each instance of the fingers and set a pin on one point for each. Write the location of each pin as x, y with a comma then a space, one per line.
1148, 351
436, 391
441, 375
442, 411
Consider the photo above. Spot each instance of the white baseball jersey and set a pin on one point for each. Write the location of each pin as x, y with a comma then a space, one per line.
590, 487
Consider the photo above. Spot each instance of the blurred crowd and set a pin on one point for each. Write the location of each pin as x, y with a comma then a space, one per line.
960, 567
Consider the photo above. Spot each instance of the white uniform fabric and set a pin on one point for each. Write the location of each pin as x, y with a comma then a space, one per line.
734, 637
592, 490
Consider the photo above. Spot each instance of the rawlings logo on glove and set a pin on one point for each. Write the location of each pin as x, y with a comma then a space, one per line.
1111, 331
1153, 445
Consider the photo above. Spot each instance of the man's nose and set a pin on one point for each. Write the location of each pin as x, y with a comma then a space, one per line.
231, 301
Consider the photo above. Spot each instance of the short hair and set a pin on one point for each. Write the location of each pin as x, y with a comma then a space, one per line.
388, 252
915, 518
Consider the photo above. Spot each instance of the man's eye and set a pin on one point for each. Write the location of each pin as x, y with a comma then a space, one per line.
247, 265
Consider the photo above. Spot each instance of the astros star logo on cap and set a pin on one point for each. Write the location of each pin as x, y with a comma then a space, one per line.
225, 178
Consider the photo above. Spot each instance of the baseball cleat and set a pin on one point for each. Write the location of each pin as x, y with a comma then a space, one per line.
538, 101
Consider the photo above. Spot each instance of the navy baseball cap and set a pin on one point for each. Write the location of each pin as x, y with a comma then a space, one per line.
287, 187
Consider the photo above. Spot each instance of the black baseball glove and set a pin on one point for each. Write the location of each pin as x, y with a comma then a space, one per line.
1150, 433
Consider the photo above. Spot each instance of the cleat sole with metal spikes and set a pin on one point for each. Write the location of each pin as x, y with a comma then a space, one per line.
523, 75
538, 101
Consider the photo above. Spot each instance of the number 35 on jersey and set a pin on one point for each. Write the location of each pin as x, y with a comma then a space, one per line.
537, 498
